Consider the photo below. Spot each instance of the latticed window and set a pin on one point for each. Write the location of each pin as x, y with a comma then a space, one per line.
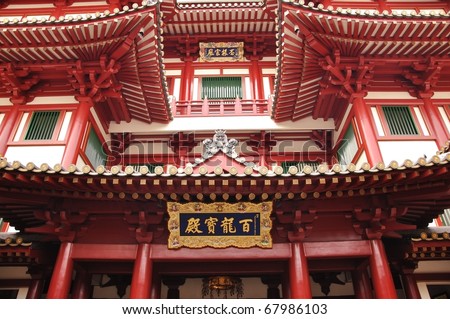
299, 165
221, 88
94, 150
445, 217
348, 148
42, 125
400, 120
151, 166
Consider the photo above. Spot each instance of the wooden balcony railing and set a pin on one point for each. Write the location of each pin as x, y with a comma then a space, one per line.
207, 107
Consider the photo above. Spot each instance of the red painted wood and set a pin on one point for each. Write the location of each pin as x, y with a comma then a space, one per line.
367, 131
35, 288
435, 121
103, 252
155, 291
7, 129
299, 274
381, 274
278, 252
62, 273
142, 273
361, 283
186, 80
337, 249
82, 286
256, 79
76, 133
410, 286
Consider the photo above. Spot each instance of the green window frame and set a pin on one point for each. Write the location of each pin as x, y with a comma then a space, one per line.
94, 150
151, 166
400, 120
221, 88
299, 164
445, 217
42, 125
349, 147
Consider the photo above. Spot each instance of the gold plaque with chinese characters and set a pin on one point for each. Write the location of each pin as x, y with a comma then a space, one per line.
219, 225
221, 51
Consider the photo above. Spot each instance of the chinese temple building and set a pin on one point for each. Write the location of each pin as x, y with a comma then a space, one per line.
225, 149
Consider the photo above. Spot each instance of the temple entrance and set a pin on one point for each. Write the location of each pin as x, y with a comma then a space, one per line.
221, 280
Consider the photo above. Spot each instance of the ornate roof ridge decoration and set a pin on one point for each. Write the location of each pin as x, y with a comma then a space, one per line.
444, 149
221, 5
254, 171
432, 236
362, 13
72, 18
13, 242
220, 143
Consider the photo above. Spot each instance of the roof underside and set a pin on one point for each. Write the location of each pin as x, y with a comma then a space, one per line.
114, 58
419, 191
325, 56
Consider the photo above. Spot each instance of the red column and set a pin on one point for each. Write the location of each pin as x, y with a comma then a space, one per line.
187, 79
35, 288
62, 273
82, 285
80, 121
155, 292
435, 121
381, 274
367, 131
410, 286
256, 79
7, 128
142, 273
361, 283
299, 274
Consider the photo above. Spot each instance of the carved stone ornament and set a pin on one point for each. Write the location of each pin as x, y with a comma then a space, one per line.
220, 143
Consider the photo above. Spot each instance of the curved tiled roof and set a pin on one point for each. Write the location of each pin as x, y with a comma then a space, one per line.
312, 40
131, 37
321, 170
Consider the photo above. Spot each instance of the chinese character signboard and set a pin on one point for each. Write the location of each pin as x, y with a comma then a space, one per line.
221, 51
219, 225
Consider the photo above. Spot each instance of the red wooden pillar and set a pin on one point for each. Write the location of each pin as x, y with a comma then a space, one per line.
361, 283
7, 128
37, 282
435, 120
155, 292
299, 274
82, 286
77, 131
142, 273
256, 78
62, 273
367, 132
410, 285
381, 274
187, 79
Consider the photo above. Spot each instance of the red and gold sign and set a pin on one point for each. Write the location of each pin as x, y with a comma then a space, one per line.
221, 51
219, 225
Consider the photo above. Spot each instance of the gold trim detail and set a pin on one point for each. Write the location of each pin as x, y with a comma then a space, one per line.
228, 210
221, 51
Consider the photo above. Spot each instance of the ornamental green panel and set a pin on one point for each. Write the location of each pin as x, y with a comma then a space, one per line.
94, 150
151, 166
221, 88
299, 165
348, 148
42, 125
400, 120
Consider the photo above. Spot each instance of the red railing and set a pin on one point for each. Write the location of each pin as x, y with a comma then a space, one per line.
207, 107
